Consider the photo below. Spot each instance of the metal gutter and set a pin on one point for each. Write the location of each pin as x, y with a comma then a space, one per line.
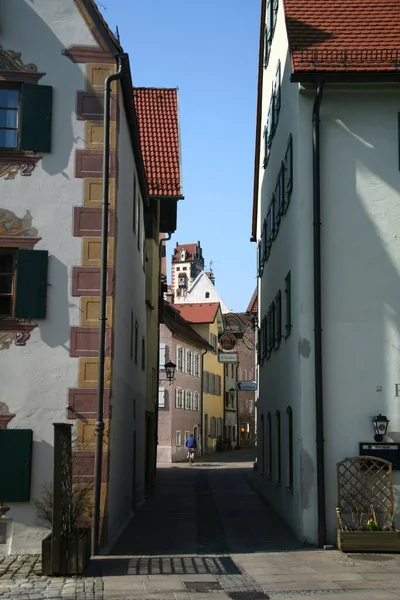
319, 398
99, 426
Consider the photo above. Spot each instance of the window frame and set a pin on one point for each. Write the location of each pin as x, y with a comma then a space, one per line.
279, 448
179, 358
288, 304
290, 466
270, 451
278, 319
8, 86
288, 173
178, 398
178, 435
14, 253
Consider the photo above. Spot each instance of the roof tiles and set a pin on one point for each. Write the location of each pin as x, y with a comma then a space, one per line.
198, 313
190, 252
344, 35
157, 111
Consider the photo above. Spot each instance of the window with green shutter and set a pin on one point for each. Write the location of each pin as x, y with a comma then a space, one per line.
36, 106
16, 453
23, 283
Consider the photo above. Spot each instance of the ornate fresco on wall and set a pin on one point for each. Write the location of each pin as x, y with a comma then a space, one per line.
11, 225
24, 167
11, 61
19, 338
5, 416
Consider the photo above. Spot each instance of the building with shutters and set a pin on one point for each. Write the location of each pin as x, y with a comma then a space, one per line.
179, 403
326, 209
51, 139
206, 320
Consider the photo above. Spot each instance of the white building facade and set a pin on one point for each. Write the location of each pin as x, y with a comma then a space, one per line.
51, 134
204, 290
328, 325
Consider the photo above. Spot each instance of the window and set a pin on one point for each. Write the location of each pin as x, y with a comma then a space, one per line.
134, 204
189, 362
234, 433
213, 428
277, 91
178, 439
9, 108
178, 398
269, 433
136, 341
288, 302
179, 358
196, 369
289, 414
206, 382
269, 130
214, 342
178, 268
278, 319
7, 276
278, 441
23, 283
188, 400
207, 294
272, 11
218, 385
279, 197
212, 383
163, 355
187, 435
196, 404
139, 233
161, 397
288, 173
143, 354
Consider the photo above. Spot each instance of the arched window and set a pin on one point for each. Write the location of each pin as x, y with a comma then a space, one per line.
279, 448
269, 433
289, 414
262, 445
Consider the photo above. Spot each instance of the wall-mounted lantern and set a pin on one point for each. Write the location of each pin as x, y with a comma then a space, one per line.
380, 424
170, 371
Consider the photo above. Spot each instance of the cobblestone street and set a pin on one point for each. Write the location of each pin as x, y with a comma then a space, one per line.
206, 535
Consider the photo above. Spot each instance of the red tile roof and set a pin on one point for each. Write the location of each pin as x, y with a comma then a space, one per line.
157, 111
198, 313
253, 304
344, 35
190, 252
181, 328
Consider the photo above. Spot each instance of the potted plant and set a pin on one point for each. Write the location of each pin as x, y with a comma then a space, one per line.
74, 545
366, 533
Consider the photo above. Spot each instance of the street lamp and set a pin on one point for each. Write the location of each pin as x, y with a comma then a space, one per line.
170, 371
380, 423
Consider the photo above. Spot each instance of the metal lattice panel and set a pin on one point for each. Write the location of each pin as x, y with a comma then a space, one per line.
365, 491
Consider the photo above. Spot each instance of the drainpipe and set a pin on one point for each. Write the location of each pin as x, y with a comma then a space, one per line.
99, 426
319, 402
201, 401
161, 242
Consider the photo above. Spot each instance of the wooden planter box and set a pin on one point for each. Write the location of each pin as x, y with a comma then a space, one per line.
74, 555
368, 541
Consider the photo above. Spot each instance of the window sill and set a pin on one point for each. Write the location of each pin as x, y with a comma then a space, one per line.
13, 325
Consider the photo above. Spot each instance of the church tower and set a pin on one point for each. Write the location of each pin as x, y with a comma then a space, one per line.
187, 263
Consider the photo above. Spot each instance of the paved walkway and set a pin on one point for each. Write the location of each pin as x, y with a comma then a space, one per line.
206, 535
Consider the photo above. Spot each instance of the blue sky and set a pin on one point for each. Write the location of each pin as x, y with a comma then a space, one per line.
209, 49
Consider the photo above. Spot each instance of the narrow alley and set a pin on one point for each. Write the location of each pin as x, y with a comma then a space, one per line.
205, 534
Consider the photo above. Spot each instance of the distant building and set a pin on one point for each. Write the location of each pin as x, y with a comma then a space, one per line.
203, 290
206, 320
179, 403
187, 263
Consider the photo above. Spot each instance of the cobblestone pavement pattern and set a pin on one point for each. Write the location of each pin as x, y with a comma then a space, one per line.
206, 535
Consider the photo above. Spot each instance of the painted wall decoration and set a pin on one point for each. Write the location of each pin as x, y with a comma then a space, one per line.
11, 225
11, 61
25, 168
5, 415
19, 338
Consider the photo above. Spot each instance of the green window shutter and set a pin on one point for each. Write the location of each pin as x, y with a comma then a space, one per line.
35, 118
16, 450
30, 302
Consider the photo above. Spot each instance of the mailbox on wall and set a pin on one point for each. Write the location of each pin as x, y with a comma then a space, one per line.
390, 452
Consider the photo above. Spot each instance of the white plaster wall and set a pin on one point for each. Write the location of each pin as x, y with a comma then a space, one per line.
286, 378
197, 293
128, 388
361, 266
35, 379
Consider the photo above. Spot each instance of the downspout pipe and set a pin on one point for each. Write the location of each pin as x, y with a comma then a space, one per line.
202, 402
160, 257
319, 399
99, 426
